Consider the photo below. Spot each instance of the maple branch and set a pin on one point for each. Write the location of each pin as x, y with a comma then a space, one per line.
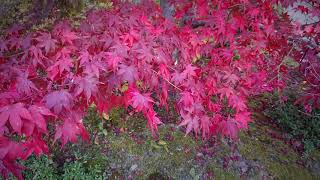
313, 23
234, 6
14, 54
166, 80
278, 67
171, 68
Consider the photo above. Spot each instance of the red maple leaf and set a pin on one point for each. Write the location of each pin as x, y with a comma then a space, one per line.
303, 9
243, 118
86, 85
46, 41
227, 91
84, 57
67, 37
38, 113
205, 124
24, 85
237, 102
127, 73
9, 152
3, 46
229, 128
141, 102
35, 55
113, 61
186, 98
190, 71
120, 49
130, 37
57, 100
64, 64
192, 123
144, 52
153, 120
70, 129
14, 113
231, 78
34, 145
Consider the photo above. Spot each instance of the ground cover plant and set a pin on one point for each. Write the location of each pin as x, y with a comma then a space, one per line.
208, 57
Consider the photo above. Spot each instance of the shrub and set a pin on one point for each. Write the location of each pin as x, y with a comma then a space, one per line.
298, 124
211, 56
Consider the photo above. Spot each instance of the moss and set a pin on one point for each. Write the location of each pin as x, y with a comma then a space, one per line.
173, 155
157, 156
316, 154
276, 157
222, 174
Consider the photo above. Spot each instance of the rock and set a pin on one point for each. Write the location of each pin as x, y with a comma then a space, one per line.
133, 167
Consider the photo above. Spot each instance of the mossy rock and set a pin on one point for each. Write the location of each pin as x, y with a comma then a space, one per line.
278, 158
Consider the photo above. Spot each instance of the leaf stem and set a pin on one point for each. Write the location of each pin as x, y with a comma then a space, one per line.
166, 80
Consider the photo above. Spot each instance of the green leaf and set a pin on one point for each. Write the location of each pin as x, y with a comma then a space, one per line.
290, 62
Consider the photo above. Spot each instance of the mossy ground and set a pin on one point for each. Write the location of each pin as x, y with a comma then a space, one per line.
123, 148
126, 149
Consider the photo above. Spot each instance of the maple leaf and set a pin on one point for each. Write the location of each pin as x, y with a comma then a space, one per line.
70, 129
34, 145
141, 102
106, 40
94, 68
86, 85
14, 42
57, 100
303, 9
24, 85
67, 37
37, 113
186, 98
243, 118
229, 128
231, 78
7, 97
64, 64
127, 73
35, 54
145, 53
84, 57
237, 103
153, 120
120, 49
3, 46
129, 37
131, 41
178, 78
14, 113
113, 61
163, 70
9, 152
28, 128
46, 41
226, 91
192, 123
205, 124
190, 71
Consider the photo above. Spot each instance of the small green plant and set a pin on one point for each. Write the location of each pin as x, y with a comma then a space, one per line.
40, 168
297, 123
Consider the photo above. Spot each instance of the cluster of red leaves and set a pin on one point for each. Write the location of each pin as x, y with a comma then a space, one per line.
49, 78
306, 50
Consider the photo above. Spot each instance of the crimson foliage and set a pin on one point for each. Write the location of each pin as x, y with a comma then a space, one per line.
211, 55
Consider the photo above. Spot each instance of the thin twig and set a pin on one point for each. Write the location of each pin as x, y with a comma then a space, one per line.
166, 80
234, 6
15, 54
